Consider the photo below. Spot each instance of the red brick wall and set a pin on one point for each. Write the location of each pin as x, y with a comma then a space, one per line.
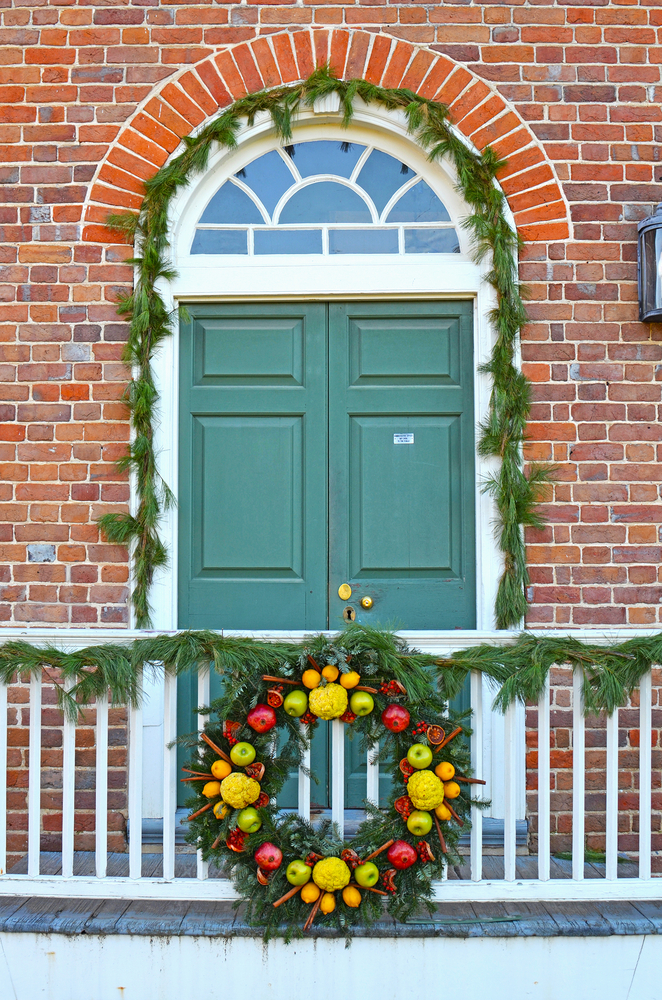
569, 92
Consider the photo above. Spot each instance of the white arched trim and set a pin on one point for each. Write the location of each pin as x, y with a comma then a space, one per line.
401, 276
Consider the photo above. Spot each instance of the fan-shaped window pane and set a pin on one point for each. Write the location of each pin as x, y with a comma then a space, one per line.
431, 241
232, 206
269, 177
288, 241
325, 156
325, 202
363, 241
220, 241
419, 204
381, 176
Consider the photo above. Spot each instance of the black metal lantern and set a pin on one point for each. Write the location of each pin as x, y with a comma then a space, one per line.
649, 259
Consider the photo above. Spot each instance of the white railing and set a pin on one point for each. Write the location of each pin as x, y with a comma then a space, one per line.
63, 879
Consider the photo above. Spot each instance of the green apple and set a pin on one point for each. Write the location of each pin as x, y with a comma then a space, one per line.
242, 754
361, 703
419, 823
298, 872
419, 755
366, 874
296, 703
249, 820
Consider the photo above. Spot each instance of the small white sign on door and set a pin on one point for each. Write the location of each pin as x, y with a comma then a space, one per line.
403, 439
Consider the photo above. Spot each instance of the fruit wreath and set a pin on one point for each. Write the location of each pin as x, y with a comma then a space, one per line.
290, 873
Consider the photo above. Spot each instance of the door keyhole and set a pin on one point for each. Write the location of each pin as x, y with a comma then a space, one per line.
349, 614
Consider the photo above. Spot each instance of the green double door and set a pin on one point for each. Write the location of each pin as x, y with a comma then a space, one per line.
324, 444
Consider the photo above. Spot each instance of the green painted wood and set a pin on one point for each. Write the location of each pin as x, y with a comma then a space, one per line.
254, 444
401, 516
252, 481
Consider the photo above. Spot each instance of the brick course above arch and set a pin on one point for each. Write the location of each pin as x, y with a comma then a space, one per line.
183, 103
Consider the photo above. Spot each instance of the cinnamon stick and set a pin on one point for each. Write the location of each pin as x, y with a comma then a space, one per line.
199, 777
370, 888
218, 750
288, 895
470, 781
362, 687
450, 737
442, 842
217, 842
379, 850
453, 813
279, 680
313, 663
313, 912
200, 811
201, 774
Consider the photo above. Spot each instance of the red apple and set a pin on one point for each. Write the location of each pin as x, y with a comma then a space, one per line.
401, 855
262, 718
269, 857
396, 718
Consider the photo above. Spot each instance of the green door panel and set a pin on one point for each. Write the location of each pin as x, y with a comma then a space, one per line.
252, 484
401, 463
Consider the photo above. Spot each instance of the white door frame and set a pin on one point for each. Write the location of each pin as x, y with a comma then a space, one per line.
230, 278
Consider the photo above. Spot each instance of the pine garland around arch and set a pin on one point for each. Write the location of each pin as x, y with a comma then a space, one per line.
502, 433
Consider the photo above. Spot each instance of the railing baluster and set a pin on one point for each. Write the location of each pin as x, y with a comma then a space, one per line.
476, 848
611, 840
578, 774
101, 798
372, 776
338, 774
645, 773
136, 786
543, 785
34, 776
510, 795
68, 789
3, 778
169, 775
203, 700
303, 798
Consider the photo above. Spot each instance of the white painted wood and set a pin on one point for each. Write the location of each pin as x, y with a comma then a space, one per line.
543, 785
372, 776
68, 789
203, 701
137, 966
169, 775
303, 799
450, 891
645, 774
611, 839
101, 797
338, 774
476, 846
510, 795
34, 776
3, 777
135, 787
578, 774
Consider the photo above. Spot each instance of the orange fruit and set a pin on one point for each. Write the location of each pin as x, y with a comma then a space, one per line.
445, 770
220, 769
451, 789
328, 903
311, 678
330, 672
442, 812
350, 679
221, 809
211, 789
351, 896
310, 892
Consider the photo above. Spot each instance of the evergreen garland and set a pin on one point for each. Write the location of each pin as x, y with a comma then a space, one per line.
519, 669
502, 434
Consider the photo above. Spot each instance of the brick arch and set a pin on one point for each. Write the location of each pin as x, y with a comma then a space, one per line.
198, 92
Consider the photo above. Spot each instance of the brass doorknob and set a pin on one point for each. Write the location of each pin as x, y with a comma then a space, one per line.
366, 602
344, 591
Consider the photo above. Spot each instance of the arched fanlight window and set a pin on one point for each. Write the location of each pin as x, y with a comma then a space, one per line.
325, 197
